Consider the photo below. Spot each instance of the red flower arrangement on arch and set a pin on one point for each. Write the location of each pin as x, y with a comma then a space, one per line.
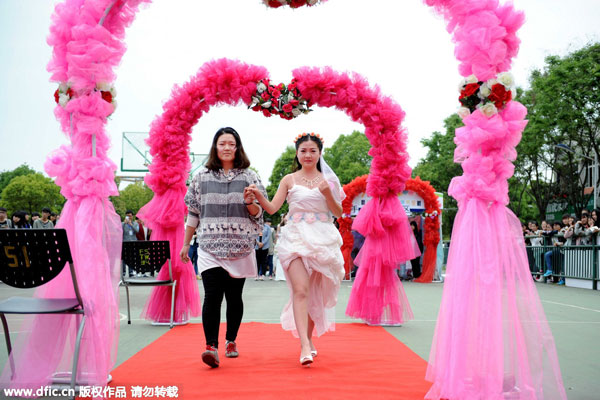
283, 100
489, 96
291, 3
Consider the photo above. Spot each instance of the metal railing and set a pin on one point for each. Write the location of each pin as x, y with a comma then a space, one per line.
577, 262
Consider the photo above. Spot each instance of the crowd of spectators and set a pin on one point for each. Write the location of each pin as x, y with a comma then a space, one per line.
23, 220
556, 235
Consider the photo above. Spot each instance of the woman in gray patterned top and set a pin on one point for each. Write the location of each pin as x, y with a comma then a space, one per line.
227, 220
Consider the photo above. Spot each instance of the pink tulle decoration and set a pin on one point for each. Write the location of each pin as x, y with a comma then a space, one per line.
85, 52
485, 34
377, 294
487, 341
492, 340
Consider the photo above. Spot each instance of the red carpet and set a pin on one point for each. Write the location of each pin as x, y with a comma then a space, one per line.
354, 362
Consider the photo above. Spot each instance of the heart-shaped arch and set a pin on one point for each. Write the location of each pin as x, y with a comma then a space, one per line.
88, 41
230, 82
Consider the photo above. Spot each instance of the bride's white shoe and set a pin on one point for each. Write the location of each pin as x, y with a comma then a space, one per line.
306, 360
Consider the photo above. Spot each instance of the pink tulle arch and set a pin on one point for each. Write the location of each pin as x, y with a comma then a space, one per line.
231, 82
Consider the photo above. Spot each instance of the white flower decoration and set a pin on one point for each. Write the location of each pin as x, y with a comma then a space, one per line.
463, 112
506, 79
484, 91
261, 87
471, 79
488, 109
266, 104
63, 99
103, 86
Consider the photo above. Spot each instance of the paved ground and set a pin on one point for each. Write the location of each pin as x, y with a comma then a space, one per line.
573, 314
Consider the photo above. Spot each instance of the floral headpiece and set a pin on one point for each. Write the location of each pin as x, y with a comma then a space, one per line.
309, 134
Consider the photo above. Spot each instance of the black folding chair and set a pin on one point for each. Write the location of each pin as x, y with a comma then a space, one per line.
147, 256
31, 258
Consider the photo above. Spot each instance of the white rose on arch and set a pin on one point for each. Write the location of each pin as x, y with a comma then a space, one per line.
506, 79
261, 87
463, 112
266, 104
103, 86
471, 79
484, 91
63, 99
489, 109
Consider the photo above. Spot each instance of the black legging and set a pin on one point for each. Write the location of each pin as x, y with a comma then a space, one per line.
217, 282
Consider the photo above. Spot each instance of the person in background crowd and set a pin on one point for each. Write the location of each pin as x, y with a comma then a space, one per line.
555, 255
19, 221
44, 222
130, 227
270, 249
27, 218
193, 255
130, 230
357, 244
594, 217
536, 239
567, 229
53, 218
416, 262
5, 223
34, 217
258, 254
143, 232
583, 231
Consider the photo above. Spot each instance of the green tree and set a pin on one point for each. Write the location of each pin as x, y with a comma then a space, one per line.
282, 167
564, 108
438, 167
349, 156
7, 176
32, 193
132, 197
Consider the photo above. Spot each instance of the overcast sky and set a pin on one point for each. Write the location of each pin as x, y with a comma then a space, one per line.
400, 46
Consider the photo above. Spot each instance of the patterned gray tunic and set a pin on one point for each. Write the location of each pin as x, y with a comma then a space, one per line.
216, 209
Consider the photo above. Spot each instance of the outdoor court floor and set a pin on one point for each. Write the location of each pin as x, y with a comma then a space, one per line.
573, 314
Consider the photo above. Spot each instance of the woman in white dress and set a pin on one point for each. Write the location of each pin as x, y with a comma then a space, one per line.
309, 245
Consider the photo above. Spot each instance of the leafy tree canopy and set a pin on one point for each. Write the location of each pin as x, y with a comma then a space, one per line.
349, 156
7, 176
132, 197
31, 193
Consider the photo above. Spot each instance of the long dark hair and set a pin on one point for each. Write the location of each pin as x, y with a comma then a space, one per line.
296, 166
241, 160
